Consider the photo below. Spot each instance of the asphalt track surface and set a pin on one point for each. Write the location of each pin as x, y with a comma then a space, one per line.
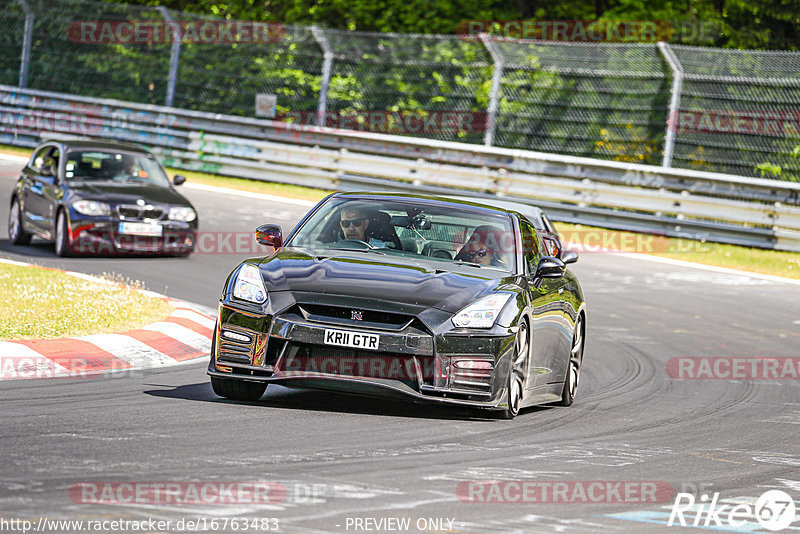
343, 458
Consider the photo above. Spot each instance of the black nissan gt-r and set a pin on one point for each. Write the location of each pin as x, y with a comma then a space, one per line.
434, 299
100, 198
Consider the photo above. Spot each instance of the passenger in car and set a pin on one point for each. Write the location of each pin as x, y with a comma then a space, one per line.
484, 247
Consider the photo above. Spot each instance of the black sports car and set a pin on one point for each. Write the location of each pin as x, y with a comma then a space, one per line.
100, 198
442, 300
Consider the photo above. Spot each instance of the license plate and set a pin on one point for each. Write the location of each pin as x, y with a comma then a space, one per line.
356, 340
148, 229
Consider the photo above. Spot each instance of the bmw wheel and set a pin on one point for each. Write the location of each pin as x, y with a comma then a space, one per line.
63, 246
16, 233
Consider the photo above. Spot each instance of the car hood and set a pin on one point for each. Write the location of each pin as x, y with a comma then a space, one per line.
394, 279
127, 193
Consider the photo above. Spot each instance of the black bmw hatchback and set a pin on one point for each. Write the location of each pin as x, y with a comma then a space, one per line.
100, 198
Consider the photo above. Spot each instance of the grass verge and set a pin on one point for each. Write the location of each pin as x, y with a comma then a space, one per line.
38, 303
772, 262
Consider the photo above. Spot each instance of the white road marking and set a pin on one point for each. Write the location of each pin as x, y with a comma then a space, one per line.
725, 270
248, 194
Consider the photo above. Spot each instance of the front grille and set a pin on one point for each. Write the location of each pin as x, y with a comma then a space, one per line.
312, 359
139, 213
352, 316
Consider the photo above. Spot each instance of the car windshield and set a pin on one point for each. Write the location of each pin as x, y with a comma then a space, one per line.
112, 166
443, 232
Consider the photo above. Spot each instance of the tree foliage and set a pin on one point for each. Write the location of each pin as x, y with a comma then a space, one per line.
760, 24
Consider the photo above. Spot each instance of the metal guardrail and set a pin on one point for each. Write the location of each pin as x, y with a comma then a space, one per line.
681, 203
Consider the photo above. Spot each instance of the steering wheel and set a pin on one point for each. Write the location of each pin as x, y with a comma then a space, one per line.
360, 242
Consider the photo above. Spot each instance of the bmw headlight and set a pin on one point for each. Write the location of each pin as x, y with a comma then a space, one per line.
249, 285
91, 207
481, 313
182, 214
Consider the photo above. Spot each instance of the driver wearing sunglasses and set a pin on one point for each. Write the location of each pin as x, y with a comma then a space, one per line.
484, 247
354, 224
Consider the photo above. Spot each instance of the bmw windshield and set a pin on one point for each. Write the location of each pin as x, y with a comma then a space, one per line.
115, 167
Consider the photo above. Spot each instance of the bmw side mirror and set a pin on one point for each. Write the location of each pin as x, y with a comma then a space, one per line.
269, 235
178, 179
550, 267
569, 256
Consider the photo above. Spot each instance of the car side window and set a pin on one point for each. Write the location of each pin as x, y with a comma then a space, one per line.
531, 246
40, 158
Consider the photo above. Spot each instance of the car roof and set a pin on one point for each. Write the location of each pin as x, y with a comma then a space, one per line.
80, 142
530, 212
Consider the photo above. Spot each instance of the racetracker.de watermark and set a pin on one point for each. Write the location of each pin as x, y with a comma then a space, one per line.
150, 32
584, 31
178, 493
563, 492
65, 367
733, 367
779, 123
411, 122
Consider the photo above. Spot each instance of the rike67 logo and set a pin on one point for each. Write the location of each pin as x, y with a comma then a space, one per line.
774, 510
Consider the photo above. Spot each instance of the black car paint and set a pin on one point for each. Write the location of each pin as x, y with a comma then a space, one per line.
428, 290
42, 196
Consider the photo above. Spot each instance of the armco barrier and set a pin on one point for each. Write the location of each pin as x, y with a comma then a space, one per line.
681, 203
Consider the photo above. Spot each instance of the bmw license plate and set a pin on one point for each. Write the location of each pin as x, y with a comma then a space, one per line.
356, 340
148, 229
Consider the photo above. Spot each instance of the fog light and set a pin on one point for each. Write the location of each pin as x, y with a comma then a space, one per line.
235, 336
483, 365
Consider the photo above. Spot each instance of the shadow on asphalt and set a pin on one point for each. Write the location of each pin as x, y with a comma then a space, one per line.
44, 249
324, 401
36, 249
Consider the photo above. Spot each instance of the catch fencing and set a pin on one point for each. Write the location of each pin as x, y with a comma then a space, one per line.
659, 104
673, 202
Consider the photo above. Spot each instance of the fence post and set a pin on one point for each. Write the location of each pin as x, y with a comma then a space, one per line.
674, 101
327, 68
494, 96
174, 57
27, 39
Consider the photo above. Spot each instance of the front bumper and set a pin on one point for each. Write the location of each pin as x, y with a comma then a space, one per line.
90, 237
411, 360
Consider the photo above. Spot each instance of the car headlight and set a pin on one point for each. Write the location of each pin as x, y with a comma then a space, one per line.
182, 214
481, 313
249, 285
92, 207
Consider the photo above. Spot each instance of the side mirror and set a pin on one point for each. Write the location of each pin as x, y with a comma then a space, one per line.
269, 235
47, 170
550, 267
178, 179
569, 256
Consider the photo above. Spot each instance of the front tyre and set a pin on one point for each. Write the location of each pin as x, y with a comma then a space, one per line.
16, 233
239, 390
518, 372
574, 367
63, 246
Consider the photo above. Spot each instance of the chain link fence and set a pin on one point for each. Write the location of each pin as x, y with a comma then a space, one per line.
729, 111
739, 112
